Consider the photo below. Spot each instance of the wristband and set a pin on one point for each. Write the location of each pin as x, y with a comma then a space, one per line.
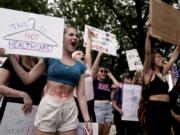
86, 121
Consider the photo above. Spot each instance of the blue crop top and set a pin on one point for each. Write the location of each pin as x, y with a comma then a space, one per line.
157, 86
59, 72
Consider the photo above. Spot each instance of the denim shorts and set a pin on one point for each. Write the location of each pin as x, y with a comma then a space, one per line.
103, 112
55, 116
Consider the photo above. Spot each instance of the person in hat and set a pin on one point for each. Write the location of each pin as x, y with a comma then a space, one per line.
121, 125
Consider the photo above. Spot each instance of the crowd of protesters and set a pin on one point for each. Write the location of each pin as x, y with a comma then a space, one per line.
77, 90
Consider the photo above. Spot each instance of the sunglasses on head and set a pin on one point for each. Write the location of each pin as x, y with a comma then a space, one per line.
103, 71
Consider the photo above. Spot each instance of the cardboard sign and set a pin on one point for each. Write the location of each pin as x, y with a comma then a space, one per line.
165, 22
101, 40
130, 101
134, 61
31, 34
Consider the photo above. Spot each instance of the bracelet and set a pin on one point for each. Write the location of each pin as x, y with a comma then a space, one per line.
86, 121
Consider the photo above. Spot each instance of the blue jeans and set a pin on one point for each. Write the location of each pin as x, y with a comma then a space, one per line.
103, 112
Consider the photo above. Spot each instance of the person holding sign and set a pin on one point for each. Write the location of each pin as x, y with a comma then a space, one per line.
13, 88
138, 78
89, 75
57, 111
156, 91
123, 127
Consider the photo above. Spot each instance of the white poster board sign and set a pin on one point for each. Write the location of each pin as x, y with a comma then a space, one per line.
101, 40
15, 122
2, 60
130, 102
31, 34
134, 61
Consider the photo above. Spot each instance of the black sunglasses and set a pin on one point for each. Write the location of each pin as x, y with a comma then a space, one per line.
105, 71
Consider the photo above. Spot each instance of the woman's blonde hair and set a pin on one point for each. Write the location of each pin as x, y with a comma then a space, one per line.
137, 76
69, 27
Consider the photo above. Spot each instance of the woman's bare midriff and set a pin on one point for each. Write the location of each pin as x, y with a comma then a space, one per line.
102, 101
159, 97
59, 91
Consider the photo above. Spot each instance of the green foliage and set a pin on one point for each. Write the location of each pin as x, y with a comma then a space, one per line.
34, 6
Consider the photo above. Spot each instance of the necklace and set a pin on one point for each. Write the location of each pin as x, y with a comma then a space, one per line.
161, 75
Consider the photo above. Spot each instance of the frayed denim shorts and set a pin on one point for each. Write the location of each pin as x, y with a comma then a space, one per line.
103, 111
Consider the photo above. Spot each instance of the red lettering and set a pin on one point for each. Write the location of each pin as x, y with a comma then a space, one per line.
31, 36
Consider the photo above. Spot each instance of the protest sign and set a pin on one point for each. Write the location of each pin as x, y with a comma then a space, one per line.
15, 122
165, 22
134, 61
130, 101
101, 40
31, 34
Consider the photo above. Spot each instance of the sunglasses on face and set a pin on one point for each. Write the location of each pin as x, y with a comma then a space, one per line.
103, 71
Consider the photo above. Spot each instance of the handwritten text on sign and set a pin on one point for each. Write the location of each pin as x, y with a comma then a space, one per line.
31, 34
130, 103
165, 22
134, 61
15, 122
101, 40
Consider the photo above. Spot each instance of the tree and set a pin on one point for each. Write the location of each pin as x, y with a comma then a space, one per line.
125, 18
33, 6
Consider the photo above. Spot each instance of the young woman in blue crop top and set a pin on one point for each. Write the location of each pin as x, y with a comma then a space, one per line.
158, 111
57, 112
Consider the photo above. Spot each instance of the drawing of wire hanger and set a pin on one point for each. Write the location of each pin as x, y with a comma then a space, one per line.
20, 36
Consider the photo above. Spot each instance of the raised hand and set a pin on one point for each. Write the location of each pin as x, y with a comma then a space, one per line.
90, 33
148, 25
2, 51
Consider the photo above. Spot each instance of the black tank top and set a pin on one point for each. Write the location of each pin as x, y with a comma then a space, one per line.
157, 86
